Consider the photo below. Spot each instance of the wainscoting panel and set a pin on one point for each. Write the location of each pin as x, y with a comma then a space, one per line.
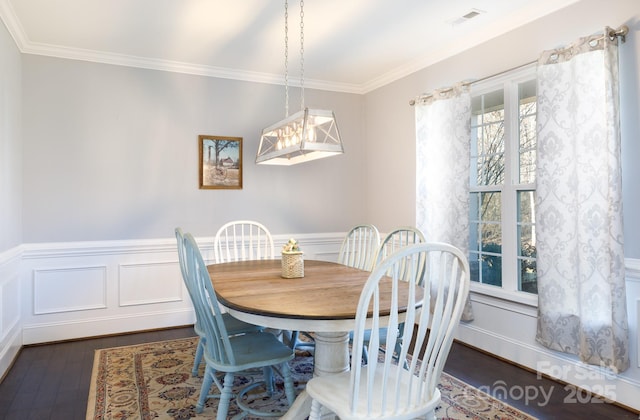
83, 289
69, 289
10, 298
147, 283
10, 307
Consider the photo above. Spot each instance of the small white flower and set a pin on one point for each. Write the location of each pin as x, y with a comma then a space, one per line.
291, 246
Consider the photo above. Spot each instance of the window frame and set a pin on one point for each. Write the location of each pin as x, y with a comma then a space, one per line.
508, 81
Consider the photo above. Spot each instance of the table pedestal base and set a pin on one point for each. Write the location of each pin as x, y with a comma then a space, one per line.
331, 356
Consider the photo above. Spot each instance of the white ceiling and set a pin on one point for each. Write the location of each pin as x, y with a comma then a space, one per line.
349, 45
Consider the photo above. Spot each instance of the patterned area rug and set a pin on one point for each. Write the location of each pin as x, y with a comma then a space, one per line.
153, 381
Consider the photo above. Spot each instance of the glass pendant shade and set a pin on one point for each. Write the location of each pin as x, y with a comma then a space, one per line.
307, 135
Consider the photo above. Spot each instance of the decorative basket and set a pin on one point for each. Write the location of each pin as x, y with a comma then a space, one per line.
292, 265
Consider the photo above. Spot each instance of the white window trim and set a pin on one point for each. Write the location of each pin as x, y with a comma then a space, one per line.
521, 74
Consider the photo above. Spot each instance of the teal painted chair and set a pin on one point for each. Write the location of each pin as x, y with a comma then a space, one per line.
234, 326
386, 389
232, 354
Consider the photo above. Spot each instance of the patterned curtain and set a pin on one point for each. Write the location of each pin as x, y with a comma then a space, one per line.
443, 132
581, 284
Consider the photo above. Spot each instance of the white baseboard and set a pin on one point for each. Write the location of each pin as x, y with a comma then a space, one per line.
94, 327
559, 366
9, 350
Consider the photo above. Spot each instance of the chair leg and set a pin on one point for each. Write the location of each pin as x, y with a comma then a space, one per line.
225, 397
288, 383
292, 338
207, 381
397, 351
365, 355
267, 373
315, 410
198, 357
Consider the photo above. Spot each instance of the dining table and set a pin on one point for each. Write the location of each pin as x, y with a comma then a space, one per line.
323, 301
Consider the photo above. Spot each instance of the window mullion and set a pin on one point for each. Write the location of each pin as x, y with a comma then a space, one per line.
509, 201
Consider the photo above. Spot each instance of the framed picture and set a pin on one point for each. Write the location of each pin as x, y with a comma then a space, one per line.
220, 163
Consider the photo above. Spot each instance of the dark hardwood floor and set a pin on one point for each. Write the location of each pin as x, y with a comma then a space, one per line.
536, 396
52, 381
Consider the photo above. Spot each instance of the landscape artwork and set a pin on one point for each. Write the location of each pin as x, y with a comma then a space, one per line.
220, 163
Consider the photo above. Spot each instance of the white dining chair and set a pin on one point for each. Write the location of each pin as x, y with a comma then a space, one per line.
232, 354
233, 325
242, 240
396, 239
359, 247
384, 388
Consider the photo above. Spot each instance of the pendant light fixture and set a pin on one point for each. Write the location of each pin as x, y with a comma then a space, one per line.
308, 134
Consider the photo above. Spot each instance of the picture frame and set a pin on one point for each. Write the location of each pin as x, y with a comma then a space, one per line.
220, 162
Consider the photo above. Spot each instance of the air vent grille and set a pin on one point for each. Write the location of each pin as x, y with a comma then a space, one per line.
465, 17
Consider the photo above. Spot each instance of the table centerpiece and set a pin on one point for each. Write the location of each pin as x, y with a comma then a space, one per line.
292, 261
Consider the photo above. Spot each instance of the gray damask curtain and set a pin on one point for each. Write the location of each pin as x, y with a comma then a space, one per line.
443, 130
581, 282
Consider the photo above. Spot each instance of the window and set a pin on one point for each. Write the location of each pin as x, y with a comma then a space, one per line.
502, 252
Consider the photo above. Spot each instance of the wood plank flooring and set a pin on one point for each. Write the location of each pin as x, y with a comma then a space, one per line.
52, 381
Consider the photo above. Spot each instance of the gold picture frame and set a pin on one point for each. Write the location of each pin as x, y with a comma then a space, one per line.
220, 162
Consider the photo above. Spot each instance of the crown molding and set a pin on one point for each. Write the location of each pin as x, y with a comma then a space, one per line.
26, 46
178, 67
12, 23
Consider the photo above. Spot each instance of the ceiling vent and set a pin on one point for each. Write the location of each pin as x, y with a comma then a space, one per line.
464, 18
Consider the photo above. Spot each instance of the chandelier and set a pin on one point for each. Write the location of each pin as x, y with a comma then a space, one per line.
307, 135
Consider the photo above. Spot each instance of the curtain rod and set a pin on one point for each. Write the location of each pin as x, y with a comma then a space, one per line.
621, 33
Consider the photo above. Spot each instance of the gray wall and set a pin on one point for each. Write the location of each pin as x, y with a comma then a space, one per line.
111, 153
389, 120
114, 149
10, 145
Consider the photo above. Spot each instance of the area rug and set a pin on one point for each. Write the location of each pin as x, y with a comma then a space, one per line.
154, 381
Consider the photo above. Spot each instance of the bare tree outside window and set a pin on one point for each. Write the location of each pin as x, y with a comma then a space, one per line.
491, 164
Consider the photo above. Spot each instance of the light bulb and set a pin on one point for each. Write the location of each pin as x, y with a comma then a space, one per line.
311, 134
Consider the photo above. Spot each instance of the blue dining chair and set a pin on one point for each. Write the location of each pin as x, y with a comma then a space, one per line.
234, 326
232, 354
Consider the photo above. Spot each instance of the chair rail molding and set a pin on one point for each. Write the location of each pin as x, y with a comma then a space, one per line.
632, 268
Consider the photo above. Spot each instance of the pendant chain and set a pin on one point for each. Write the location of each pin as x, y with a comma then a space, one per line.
286, 59
286, 56
301, 54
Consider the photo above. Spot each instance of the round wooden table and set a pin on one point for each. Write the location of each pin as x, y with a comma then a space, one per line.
324, 301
